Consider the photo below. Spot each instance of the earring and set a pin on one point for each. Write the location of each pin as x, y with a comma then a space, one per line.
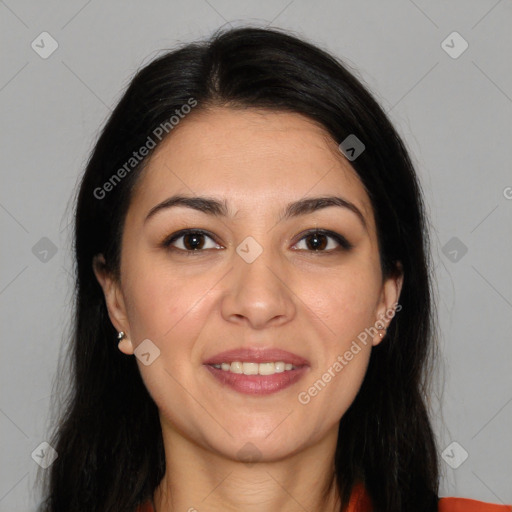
382, 334
120, 335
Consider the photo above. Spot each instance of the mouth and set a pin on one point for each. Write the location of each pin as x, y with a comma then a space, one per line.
254, 368
257, 371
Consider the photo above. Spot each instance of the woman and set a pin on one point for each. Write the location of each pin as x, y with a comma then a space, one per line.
251, 232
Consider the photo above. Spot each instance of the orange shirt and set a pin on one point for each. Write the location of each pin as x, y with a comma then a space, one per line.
360, 502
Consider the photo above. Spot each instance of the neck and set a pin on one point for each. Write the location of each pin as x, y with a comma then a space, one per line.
197, 479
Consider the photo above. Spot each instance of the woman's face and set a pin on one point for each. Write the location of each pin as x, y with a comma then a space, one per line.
253, 282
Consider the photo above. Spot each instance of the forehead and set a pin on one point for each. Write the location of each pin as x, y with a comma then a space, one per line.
253, 158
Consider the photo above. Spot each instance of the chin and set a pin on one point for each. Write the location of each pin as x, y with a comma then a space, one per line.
262, 448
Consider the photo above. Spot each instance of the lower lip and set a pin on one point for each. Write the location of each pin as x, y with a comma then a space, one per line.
258, 384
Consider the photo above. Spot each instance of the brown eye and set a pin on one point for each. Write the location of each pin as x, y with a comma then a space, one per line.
189, 241
318, 241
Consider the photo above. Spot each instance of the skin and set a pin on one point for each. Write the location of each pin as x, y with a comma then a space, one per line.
194, 307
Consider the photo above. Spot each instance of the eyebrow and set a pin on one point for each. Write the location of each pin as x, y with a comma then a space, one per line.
217, 208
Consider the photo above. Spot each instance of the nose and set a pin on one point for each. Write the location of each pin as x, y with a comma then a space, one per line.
258, 293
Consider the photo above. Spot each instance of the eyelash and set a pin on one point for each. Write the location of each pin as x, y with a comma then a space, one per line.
345, 245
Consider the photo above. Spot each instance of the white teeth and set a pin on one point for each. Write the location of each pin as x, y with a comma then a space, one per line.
267, 368
236, 367
279, 367
255, 368
250, 368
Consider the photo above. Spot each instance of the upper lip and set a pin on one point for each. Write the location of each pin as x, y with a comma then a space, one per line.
257, 355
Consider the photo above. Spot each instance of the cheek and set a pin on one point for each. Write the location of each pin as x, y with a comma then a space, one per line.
341, 305
161, 302
330, 391
171, 311
344, 300
333, 385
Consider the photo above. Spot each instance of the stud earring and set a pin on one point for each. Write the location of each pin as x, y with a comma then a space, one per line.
120, 335
382, 334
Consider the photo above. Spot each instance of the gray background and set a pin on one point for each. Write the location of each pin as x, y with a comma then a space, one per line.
454, 114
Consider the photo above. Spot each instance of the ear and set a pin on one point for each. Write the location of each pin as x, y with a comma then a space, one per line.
388, 303
114, 301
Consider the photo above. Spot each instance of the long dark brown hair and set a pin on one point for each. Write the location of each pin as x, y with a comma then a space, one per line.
108, 435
